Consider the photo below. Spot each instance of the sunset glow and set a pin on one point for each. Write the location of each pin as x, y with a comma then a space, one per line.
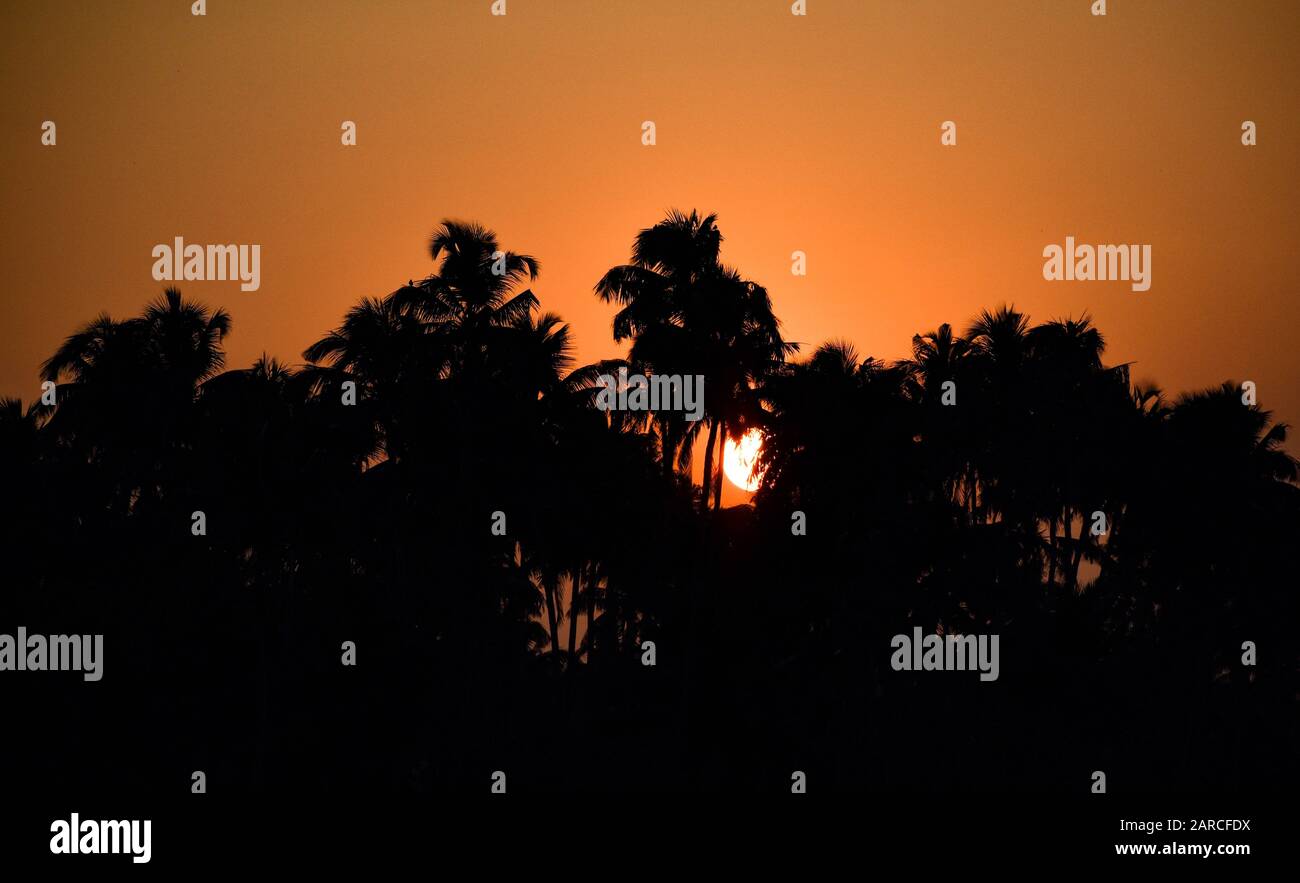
739, 458
410, 400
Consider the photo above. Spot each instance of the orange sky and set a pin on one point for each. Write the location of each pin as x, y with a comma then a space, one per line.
818, 133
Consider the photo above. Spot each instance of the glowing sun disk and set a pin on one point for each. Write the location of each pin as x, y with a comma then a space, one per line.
739, 459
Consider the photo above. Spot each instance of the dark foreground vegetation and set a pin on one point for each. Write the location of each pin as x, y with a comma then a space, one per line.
371, 522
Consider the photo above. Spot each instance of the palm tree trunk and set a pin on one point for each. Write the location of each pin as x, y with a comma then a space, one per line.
1067, 526
550, 615
1051, 551
708, 465
592, 580
1078, 557
1068, 570
717, 486
574, 612
667, 447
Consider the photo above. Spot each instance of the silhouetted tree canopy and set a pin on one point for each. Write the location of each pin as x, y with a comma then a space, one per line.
371, 522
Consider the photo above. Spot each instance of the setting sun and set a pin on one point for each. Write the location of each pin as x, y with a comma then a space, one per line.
738, 459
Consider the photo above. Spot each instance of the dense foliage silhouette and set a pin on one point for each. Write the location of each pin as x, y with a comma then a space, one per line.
370, 522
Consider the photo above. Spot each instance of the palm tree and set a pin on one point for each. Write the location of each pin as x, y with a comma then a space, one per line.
669, 261
127, 389
1213, 512
741, 339
998, 350
391, 356
1065, 386
940, 357
838, 426
20, 435
688, 314
185, 339
473, 288
937, 357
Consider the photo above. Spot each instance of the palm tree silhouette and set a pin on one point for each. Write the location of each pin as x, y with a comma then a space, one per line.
688, 314
358, 497
127, 389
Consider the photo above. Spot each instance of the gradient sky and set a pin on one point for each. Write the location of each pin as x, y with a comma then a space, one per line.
818, 133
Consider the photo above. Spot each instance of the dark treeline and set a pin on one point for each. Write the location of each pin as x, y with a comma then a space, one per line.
328, 521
